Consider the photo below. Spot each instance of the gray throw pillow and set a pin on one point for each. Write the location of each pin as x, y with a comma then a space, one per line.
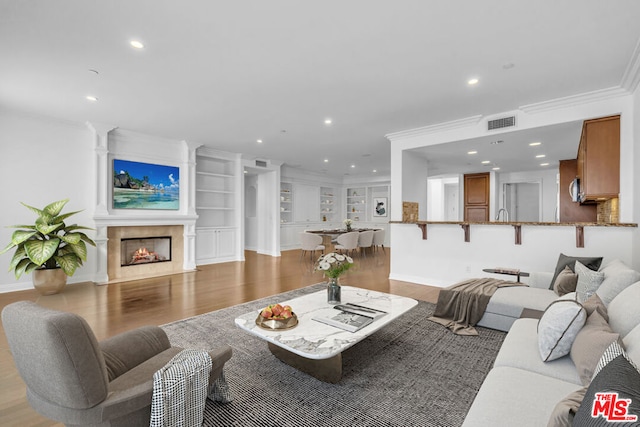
564, 260
565, 282
558, 327
590, 343
616, 381
588, 281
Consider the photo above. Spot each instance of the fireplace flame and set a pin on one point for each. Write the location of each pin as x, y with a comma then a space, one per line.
143, 255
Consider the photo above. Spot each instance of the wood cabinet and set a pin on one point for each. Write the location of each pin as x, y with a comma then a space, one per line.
476, 197
571, 211
598, 166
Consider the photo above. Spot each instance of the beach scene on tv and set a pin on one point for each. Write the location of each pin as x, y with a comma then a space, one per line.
145, 186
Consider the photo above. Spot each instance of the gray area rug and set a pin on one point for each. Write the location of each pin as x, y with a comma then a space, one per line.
412, 372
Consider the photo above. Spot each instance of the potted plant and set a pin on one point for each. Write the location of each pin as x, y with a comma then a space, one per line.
50, 249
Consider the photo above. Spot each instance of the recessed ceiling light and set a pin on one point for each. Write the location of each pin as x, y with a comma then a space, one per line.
328, 121
472, 82
495, 169
326, 160
544, 164
91, 98
353, 166
534, 144
486, 162
374, 171
137, 44
539, 156
246, 171
259, 141
472, 152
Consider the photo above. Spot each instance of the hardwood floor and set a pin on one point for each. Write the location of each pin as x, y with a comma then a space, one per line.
118, 307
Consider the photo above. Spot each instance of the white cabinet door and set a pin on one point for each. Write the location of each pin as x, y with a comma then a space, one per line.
215, 245
306, 203
226, 243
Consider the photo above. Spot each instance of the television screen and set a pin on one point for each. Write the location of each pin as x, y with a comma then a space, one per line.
145, 186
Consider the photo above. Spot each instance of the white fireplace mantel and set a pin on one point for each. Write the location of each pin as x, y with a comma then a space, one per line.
128, 145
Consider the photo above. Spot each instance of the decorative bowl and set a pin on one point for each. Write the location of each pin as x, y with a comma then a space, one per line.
278, 324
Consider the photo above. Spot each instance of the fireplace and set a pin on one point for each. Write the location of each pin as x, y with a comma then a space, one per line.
145, 250
138, 252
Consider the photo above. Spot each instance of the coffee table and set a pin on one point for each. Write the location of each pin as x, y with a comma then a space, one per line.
314, 347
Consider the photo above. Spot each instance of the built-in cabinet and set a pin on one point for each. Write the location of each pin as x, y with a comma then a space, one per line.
598, 166
328, 204
217, 204
286, 202
356, 203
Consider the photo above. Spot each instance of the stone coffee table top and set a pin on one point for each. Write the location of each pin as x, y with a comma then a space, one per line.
315, 340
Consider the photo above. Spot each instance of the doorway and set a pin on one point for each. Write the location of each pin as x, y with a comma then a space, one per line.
522, 201
261, 216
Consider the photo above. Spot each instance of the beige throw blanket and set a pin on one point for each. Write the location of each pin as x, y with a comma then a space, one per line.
462, 305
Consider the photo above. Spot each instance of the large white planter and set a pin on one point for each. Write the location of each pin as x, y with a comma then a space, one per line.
49, 281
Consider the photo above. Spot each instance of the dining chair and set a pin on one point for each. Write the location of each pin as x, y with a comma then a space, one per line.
347, 242
378, 239
365, 240
310, 243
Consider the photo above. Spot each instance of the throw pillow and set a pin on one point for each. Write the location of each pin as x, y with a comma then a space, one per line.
613, 394
565, 410
558, 327
564, 260
594, 303
590, 343
588, 281
617, 276
565, 282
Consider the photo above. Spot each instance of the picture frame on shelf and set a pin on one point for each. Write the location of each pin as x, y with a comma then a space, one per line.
380, 207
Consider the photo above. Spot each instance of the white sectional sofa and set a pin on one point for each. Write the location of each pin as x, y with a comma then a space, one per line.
522, 389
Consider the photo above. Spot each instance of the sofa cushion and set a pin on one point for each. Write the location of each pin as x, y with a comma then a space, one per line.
592, 340
515, 397
617, 276
565, 282
615, 374
588, 281
558, 327
520, 350
623, 310
564, 260
632, 345
510, 301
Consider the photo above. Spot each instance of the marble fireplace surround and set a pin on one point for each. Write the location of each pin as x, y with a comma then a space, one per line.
117, 272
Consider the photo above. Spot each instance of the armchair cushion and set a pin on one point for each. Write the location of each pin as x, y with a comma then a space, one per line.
125, 351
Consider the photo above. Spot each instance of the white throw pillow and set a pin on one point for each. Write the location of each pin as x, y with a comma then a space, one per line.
558, 327
617, 277
588, 281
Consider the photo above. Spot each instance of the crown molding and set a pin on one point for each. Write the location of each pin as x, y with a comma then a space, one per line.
439, 127
631, 76
573, 100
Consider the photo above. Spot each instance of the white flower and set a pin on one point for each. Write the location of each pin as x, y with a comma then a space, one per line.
324, 265
349, 259
340, 257
330, 259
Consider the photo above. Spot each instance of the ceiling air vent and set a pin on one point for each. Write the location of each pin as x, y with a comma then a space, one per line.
504, 122
261, 163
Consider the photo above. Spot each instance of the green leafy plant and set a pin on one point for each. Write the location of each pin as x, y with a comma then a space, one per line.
49, 243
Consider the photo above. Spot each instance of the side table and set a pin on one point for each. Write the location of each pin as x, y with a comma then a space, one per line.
516, 273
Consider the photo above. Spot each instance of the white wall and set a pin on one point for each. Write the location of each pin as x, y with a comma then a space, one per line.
29, 147
445, 258
414, 187
634, 176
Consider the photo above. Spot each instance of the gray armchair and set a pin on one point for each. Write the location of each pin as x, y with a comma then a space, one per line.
74, 379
